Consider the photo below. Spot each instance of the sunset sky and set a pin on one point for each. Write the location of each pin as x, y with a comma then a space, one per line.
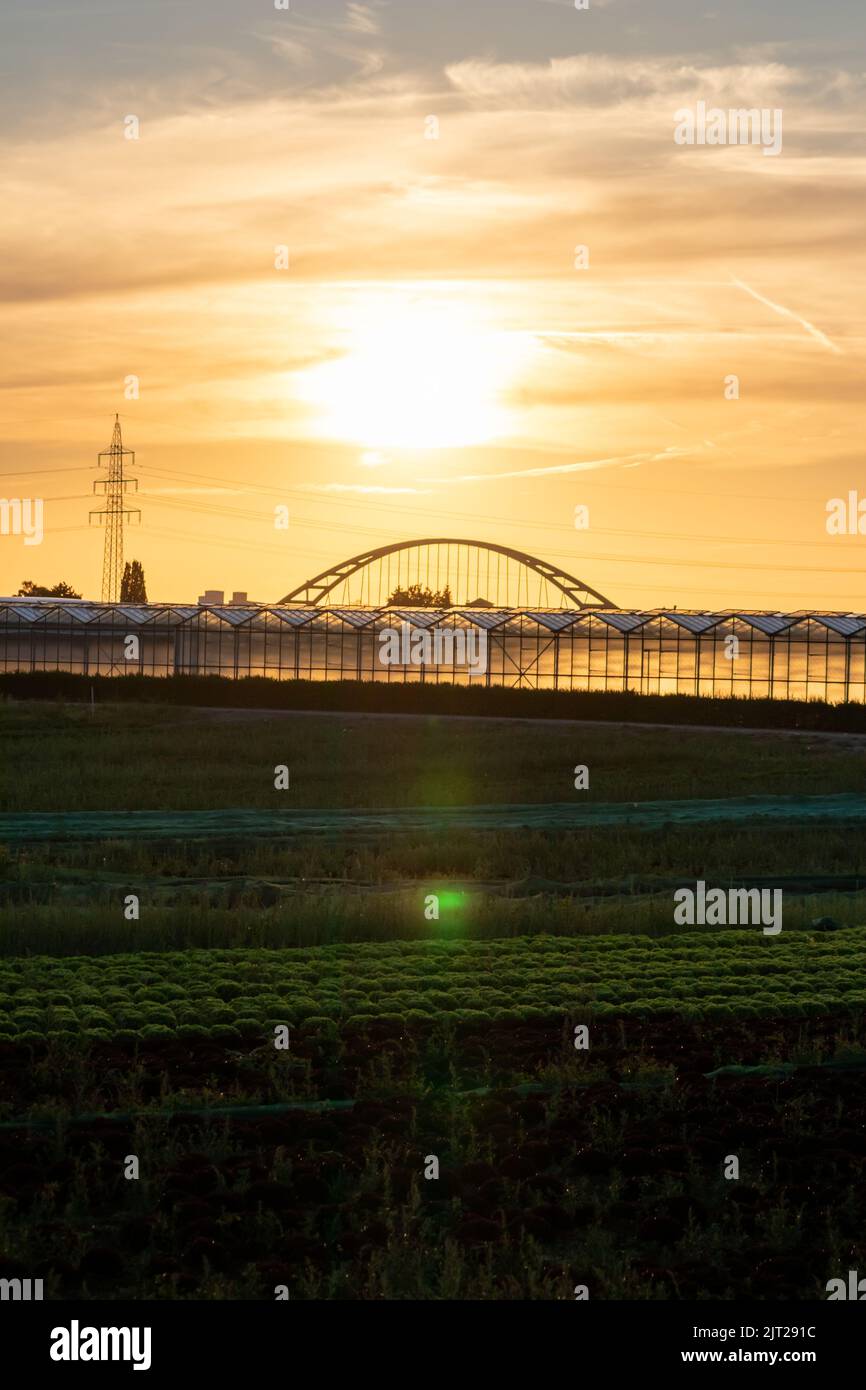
432, 362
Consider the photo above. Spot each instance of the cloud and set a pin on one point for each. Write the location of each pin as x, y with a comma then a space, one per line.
361, 19
314, 43
602, 81
364, 487
582, 466
325, 170
300, 55
488, 217
191, 492
810, 328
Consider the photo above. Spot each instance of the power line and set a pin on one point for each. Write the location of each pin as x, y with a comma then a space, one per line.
356, 501
214, 509
257, 545
35, 472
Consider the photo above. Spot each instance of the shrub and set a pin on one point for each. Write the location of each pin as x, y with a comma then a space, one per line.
27, 1018
227, 989
320, 1023
249, 1027
211, 1011
156, 1030
158, 1013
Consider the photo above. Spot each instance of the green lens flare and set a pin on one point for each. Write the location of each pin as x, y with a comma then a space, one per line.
451, 905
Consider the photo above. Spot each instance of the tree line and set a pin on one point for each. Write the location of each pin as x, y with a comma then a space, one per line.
133, 588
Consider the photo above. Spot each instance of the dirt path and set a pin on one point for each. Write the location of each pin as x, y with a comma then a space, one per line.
220, 714
243, 823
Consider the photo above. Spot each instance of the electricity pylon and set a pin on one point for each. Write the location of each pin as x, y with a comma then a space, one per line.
114, 512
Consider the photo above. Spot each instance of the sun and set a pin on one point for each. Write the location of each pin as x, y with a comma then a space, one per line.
415, 377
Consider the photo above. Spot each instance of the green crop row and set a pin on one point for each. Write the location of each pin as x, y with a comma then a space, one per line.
245, 993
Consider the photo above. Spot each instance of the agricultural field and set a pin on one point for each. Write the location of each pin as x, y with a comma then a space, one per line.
237, 994
446, 1063
126, 758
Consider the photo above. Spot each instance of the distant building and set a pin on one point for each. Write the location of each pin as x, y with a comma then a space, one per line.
216, 598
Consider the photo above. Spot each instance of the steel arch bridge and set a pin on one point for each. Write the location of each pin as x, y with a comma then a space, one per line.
475, 573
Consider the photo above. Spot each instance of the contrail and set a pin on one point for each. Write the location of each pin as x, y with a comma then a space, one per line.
362, 487
789, 314
617, 461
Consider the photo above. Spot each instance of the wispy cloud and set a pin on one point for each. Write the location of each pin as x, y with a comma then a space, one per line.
192, 492
346, 38
361, 19
569, 4
610, 80
810, 328
364, 487
581, 466
300, 55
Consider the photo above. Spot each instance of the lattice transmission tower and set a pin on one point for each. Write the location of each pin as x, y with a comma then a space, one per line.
114, 513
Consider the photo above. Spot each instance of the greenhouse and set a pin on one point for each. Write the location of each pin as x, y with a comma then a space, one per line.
803, 655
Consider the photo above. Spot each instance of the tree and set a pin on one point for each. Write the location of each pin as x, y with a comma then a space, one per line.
62, 590
416, 597
132, 586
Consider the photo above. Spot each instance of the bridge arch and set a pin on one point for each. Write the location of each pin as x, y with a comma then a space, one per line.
494, 575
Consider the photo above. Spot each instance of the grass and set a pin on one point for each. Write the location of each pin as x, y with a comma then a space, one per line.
68, 898
315, 919
450, 1037
127, 757
611, 859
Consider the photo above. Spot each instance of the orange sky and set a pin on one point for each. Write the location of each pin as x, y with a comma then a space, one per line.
431, 361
